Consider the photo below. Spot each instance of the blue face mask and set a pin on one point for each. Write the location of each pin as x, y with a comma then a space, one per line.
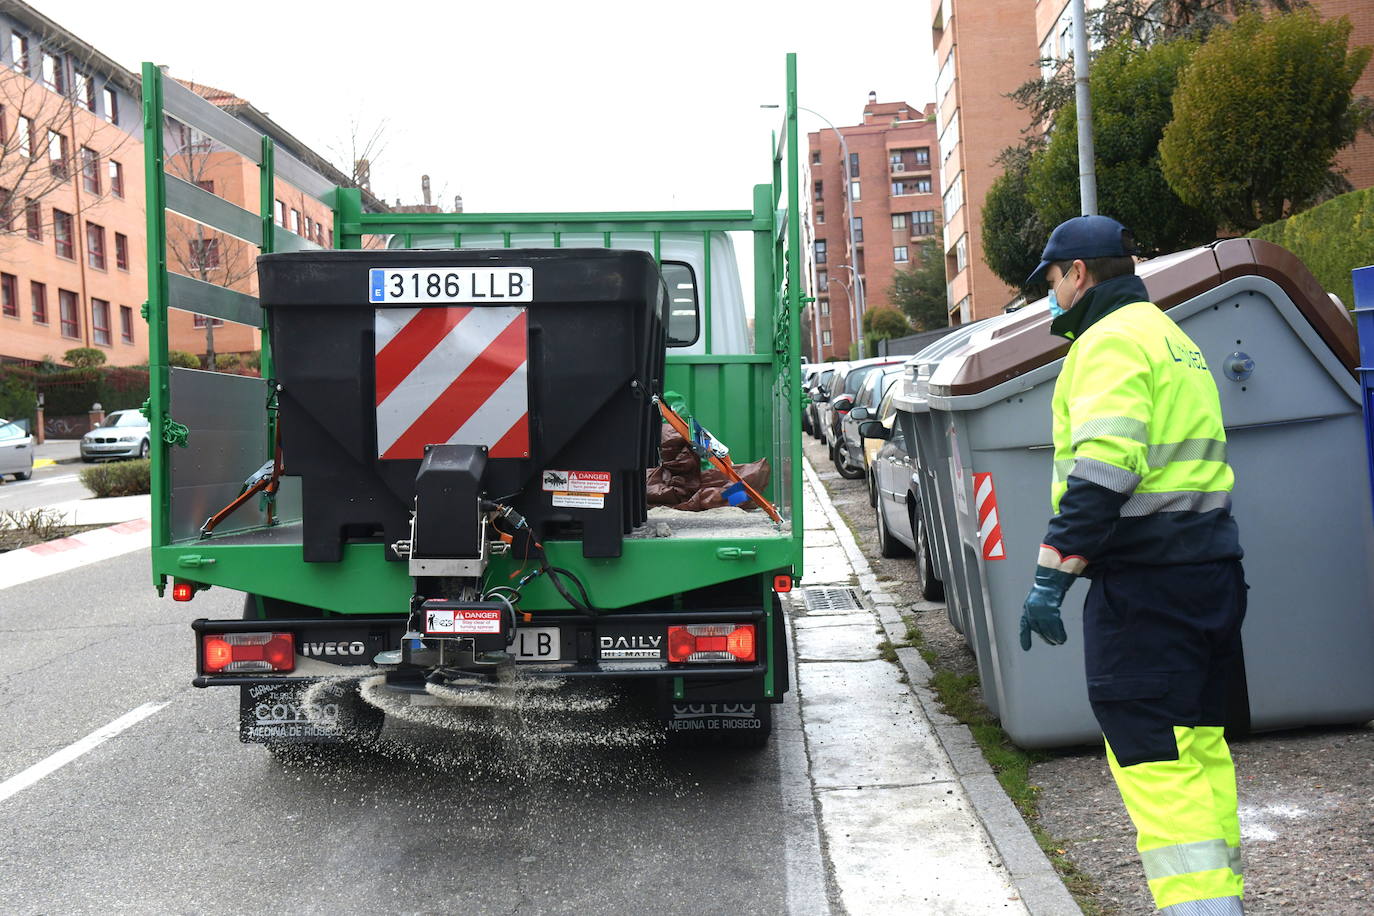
1055, 308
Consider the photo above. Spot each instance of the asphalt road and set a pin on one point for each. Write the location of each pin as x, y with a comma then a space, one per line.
174, 815
49, 485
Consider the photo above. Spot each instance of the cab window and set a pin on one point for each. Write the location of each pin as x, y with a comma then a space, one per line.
684, 312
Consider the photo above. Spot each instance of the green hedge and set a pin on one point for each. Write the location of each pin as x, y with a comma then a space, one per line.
71, 392
118, 478
1332, 239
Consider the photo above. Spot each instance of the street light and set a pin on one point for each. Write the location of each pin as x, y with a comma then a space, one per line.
848, 296
857, 305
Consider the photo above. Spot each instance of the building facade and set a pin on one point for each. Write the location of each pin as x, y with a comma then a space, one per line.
984, 49
73, 256
890, 178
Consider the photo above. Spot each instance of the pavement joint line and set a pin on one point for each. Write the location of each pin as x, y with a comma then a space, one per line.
54, 762
1029, 869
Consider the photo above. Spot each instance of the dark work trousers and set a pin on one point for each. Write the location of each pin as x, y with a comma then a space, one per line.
1163, 649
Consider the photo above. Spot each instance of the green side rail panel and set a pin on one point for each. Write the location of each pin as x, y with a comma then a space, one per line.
255, 559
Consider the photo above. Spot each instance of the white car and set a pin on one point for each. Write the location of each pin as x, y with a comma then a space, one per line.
16, 451
123, 434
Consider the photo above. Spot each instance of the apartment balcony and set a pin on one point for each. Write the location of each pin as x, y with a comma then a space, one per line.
915, 170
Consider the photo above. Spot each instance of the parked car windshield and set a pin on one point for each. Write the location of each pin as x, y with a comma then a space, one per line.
125, 418
11, 431
855, 379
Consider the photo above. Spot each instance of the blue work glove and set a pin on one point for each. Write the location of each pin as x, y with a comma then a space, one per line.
1040, 613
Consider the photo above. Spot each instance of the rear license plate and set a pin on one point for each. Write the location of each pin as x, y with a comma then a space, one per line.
450, 284
537, 644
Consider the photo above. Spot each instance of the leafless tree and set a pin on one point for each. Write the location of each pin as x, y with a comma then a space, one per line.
50, 132
194, 249
356, 154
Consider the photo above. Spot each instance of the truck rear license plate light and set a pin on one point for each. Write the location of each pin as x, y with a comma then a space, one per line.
712, 642
248, 653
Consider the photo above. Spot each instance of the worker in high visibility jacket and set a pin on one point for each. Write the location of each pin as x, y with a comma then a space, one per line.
1142, 500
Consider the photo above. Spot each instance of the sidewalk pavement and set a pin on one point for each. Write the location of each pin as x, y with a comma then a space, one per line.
914, 819
57, 451
109, 511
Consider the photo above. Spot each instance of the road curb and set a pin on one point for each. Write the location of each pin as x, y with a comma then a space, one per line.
1039, 885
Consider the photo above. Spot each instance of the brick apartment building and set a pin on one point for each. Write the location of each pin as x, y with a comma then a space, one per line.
891, 179
73, 258
984, 49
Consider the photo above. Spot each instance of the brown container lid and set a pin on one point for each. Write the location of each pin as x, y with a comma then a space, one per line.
1018, 346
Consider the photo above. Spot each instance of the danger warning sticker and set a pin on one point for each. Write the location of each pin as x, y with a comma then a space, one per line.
462, 621
580, 500
577, 482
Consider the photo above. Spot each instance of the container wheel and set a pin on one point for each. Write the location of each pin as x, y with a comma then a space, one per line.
888, 545
931, 588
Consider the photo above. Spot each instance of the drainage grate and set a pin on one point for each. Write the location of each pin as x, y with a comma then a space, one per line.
823, 598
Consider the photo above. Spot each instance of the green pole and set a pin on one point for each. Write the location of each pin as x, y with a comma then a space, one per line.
794, 290
159, 390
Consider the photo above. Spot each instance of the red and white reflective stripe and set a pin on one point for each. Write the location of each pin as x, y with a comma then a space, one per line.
454, 374
989, 528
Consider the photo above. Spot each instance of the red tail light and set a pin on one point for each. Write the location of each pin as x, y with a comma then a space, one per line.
712, 642
183, 591
248, 653
782, 584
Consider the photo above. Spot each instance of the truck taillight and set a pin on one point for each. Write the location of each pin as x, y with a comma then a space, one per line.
712, 642
248, 653
183, 591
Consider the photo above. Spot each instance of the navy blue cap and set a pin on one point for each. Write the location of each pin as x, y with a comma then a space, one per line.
1081, 238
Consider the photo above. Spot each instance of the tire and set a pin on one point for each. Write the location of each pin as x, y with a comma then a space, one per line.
143, 450
86, 460
842, 462
931, 588
872, 490
888, 546
24, 476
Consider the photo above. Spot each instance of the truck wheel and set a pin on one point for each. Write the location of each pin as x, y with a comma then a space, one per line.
931, 588
888, 546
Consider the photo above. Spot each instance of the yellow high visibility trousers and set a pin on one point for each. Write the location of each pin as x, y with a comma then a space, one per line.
1187, 828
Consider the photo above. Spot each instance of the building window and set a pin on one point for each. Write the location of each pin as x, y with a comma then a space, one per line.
822, 280
111, 105
121, 251
961, 253
62, 232
100, 322
116, 179
309, 228
67, 309
825, 308
9, 295
923, 157
201, 321
38, 296
853, 165
296, 221
95, 246
820, 195
204, 254
910, 186
825, 338
126, 324
85, 89
854, 189
949, 136
820, 217
33, 218
815, 157
58, 153
899, 254
19, 52
54, 75
206, 185
858, 229
6, 209
24, 137
899, 220
945, 79
90, 170
820, 251
281, 214
954, 197
923, 223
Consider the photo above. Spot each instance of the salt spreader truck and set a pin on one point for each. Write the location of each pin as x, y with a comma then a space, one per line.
439, 478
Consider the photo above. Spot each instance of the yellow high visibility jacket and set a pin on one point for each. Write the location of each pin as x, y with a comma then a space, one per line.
1140, 470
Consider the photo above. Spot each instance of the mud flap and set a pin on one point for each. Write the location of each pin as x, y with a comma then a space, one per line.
329, 712
741, 724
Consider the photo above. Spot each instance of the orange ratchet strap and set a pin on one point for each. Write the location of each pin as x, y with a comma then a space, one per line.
722, 463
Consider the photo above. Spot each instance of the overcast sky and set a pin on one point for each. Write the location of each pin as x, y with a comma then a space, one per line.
538, 105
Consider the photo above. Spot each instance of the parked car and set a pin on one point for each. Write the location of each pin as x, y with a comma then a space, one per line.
897, 509
844, 390
849, 453
123, 434
16, 450
812, 406
809, 371
825, 387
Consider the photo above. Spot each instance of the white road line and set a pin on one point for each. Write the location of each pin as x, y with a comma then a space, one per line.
49, 765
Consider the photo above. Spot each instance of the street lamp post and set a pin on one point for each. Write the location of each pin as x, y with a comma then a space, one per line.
857, 304
848, 296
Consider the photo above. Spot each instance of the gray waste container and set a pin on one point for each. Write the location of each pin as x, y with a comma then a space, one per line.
1296, 441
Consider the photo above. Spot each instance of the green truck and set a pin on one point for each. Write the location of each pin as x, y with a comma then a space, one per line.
437, 485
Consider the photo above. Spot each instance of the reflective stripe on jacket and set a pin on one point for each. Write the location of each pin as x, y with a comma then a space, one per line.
1140, 469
